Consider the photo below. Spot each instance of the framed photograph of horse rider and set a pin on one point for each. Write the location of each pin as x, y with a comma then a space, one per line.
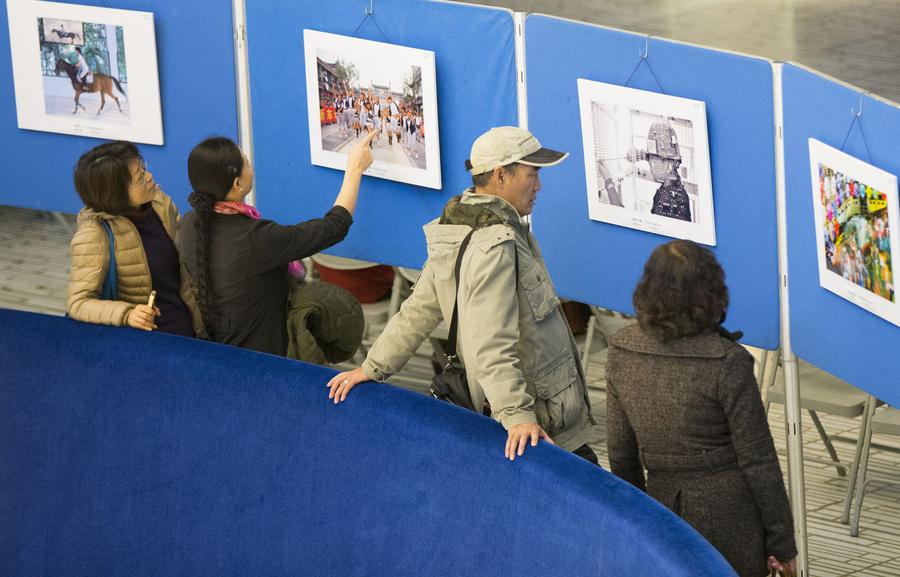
85, 70
646, 161
355, 87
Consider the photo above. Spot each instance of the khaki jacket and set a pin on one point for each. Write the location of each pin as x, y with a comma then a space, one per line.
90, 261
518, 352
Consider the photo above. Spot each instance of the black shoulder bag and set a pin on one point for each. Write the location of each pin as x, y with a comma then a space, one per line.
452, 385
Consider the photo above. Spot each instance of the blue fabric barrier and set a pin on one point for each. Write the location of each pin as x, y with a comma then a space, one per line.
194, 49
600, 263
128, 453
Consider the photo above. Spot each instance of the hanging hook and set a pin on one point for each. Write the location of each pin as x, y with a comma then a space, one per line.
646, 51
370, 13
857, 113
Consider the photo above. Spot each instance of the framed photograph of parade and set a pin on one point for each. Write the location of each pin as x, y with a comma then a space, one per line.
646, 161
856, 216
355, 87
85, 70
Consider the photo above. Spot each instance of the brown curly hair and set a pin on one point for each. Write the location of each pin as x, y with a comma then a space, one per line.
682, 292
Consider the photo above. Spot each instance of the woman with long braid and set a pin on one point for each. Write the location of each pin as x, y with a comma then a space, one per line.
238, 263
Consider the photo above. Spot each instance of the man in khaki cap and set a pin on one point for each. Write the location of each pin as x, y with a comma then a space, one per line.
513, 339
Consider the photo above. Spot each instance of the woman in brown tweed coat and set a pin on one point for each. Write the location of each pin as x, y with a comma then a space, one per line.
683, 403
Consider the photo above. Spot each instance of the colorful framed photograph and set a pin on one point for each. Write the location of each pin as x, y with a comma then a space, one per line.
85, 70
856, 216
646, 161
355, 87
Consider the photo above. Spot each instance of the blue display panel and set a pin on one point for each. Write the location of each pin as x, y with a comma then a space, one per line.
195, 55
475, 65
827, 330
600, 263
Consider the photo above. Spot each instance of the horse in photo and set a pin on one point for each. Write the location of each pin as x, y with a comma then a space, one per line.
61, 34
102, 83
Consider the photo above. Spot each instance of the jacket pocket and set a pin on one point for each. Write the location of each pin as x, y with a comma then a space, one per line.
442, 260
538, 291
558, 402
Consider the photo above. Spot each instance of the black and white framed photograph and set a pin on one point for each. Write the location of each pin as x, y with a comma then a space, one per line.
85, 70
856, 217
57, 31
646, 159
356, 87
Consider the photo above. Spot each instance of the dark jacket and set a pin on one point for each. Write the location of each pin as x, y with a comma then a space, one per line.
325, 324
689, 411
248, 272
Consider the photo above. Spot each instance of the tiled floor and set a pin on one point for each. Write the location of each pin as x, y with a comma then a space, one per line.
33, 276
34, 267
853, 40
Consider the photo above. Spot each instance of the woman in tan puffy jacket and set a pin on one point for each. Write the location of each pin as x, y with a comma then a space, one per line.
116, 187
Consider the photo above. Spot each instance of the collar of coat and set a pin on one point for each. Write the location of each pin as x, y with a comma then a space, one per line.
708, 345
86, 213
478, 210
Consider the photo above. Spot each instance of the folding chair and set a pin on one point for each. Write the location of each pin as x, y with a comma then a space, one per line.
884, 421
603, 323
821, 392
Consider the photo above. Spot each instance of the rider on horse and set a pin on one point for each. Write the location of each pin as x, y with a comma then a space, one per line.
84, 71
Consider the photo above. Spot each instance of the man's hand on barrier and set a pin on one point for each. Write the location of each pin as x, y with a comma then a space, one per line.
519, 435
340, 385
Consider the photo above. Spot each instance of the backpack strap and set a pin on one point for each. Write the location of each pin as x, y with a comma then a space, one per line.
454, 318
110, 290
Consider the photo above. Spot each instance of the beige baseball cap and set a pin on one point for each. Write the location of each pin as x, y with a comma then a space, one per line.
508, 144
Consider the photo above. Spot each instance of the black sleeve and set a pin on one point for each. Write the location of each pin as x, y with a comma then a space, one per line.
272, 244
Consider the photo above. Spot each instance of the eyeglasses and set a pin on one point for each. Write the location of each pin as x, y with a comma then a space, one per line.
141, 175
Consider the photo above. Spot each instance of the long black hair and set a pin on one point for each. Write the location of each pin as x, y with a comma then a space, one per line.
212, 167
